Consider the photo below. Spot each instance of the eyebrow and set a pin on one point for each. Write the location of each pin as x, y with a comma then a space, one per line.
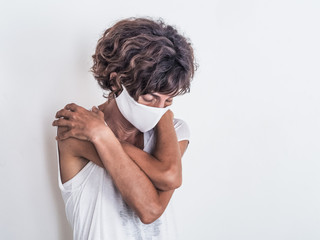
154, 95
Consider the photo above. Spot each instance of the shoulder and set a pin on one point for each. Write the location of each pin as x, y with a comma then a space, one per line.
182, 129
70, 146
73, 156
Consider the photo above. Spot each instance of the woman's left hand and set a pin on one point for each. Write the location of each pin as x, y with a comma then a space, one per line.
80, 123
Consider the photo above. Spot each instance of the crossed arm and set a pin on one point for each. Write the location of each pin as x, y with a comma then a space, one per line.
138, 176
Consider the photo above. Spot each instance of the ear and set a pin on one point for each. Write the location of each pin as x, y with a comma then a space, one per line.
113, 75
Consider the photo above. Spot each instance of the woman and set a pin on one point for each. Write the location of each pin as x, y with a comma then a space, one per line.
121, 162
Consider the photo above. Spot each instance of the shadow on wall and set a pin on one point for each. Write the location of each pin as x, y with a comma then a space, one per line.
64, 229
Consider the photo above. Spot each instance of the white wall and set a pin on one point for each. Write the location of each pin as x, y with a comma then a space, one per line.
252, 169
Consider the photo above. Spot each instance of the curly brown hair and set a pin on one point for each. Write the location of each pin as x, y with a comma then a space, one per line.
146, 55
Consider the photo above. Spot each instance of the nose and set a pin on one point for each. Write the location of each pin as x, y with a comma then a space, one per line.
160, 104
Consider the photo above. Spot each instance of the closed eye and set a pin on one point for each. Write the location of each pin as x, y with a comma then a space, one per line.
148, 98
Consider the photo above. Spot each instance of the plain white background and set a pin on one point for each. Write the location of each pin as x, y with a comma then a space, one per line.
252, 168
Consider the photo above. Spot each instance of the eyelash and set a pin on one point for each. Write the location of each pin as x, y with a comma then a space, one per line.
151, 100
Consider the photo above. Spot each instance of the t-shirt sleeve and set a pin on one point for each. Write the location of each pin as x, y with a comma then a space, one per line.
182, 129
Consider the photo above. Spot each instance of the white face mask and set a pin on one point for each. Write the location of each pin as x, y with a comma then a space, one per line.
143, 117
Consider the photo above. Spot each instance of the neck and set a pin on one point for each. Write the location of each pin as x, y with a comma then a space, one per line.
120, 126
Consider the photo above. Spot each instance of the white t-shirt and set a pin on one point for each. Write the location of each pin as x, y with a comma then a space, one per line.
96, 210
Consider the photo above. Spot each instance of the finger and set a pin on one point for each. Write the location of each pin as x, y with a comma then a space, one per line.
59, 133
69, 134
101, 114
72, 107
64, 113
95, 109
98, 111
61, 122
65, 135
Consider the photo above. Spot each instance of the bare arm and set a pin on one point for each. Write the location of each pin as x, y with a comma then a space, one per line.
163, 167
135, 187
